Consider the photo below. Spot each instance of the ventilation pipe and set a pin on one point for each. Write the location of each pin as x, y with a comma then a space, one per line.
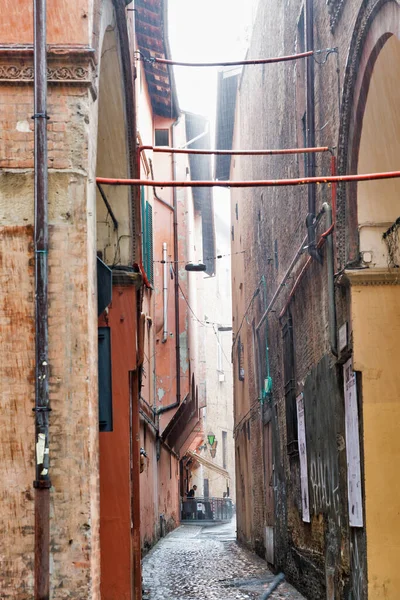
42, 482
165, 294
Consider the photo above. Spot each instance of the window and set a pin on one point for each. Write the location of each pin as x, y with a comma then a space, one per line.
104, 381
224, 449
147, 237
290, 387
161, 137
206, 488
240, 360
220, 364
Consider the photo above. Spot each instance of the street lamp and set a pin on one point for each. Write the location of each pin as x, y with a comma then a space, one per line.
195, 267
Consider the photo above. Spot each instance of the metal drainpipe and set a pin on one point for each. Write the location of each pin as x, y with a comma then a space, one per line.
176, 281
310, 221
165, 294
42, 482
331, 282
176, 404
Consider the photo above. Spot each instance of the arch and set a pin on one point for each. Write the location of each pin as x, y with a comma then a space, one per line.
377, 21
114, 245
110, 35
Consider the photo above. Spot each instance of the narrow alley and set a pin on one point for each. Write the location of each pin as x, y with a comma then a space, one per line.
206, 563
200, 299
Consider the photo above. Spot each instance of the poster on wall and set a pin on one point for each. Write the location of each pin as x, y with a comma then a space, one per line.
354, 490
301, 432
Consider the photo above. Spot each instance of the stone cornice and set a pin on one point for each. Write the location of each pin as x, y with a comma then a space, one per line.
358, 277
65, 65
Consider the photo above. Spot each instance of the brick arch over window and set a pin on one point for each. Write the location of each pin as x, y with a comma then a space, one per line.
377, 21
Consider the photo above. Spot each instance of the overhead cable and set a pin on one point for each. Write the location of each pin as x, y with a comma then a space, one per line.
185, 262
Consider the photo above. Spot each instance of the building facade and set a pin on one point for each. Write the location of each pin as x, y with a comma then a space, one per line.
315, 308
125, 380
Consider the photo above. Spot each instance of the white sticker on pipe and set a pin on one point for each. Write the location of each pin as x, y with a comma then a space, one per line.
40, 448
45, 471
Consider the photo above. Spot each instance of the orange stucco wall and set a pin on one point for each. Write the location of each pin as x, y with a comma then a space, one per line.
65, 25
115, 488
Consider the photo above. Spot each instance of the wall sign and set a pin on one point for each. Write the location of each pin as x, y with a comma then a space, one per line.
301, 429
354, 489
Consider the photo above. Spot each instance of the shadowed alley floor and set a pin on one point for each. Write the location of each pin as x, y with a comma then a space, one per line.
206, 563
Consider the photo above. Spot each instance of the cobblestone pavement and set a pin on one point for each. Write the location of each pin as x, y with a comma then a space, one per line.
206, 563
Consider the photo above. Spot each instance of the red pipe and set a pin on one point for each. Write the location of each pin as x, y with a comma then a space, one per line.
255, 183
235, 152
257, 61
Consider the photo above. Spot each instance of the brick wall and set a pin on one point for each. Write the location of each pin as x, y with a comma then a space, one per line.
72, 346
269, 226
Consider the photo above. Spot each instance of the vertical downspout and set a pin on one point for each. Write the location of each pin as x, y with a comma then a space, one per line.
176, 278
310, 221
331, 281
165, 294
42, 482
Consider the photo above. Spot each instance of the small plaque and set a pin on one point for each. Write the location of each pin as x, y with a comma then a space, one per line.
343, 337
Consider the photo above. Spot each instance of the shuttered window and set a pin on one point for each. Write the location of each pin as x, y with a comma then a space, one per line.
105, 387
290, 387
147, 237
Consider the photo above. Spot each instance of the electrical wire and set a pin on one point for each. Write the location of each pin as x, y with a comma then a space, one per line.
185, 262
254, 296
220, 345
187, 302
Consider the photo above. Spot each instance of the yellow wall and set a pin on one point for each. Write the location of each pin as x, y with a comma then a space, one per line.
376, 335
378, 201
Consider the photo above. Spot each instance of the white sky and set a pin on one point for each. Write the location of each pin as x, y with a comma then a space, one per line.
206, 31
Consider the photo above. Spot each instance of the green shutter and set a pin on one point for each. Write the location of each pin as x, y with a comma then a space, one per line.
149, 243
147, 236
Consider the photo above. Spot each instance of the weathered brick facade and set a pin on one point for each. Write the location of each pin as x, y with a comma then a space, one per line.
326, 557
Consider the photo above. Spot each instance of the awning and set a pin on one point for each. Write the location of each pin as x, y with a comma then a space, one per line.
208, 463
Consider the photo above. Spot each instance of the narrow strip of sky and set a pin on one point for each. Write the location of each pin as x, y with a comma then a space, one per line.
206, 31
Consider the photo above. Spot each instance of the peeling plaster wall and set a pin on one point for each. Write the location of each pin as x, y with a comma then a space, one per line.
326, 558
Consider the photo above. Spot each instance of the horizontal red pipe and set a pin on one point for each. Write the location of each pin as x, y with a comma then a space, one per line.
257, 61
235, 152
255, 183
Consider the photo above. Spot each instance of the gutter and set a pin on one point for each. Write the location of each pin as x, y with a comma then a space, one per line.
42, 483
310, 221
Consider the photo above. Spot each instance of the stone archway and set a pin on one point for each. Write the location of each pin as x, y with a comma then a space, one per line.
370, 129
376, 22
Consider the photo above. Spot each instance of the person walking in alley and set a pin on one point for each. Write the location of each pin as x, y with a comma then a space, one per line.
191, 507
191, 493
